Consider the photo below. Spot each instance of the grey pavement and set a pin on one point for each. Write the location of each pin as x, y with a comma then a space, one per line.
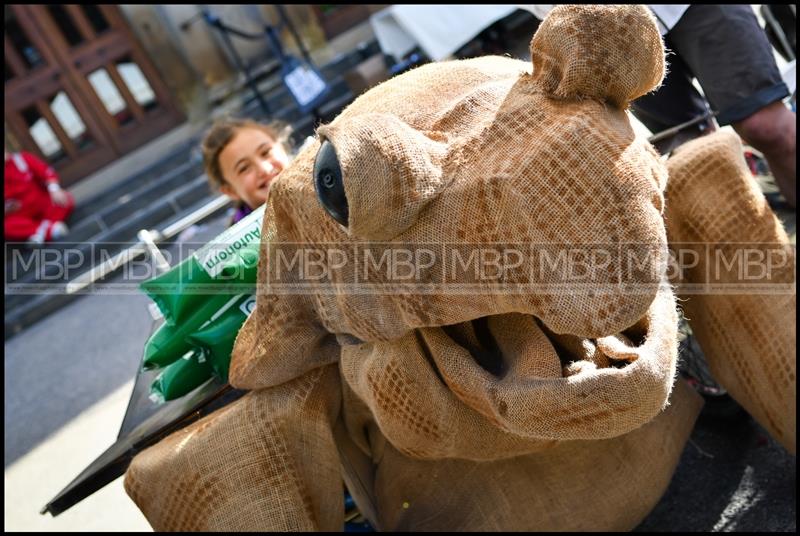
732, 477
62, 365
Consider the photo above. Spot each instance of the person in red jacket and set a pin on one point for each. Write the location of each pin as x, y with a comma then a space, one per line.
35, 204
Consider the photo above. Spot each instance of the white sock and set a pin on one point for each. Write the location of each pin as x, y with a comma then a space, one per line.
38, 236
59, 230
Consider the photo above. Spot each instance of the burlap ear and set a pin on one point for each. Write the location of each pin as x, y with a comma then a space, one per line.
740, 295
610, 53
390, 170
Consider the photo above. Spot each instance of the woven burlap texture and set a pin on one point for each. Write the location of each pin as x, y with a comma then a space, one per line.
383, 389
251, 465
749, 337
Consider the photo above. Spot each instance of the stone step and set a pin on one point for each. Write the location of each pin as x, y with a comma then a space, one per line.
129, 203
258, 73
280, 102
82, 256
303, 124
139, 179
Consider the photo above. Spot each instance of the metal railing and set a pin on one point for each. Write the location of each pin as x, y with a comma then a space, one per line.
147, 244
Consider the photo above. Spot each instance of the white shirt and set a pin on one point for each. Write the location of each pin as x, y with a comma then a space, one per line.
667, 15
439, 30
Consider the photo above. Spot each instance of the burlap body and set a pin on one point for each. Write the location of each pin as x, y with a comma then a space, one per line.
604, 485
573, 433
742, 312
276, 472
265, 462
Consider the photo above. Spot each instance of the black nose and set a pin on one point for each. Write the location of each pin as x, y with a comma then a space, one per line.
328, 183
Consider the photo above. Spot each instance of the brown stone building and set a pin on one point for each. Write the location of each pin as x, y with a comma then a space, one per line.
88, 84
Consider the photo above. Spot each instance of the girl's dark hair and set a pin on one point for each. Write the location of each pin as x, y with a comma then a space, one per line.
222, 132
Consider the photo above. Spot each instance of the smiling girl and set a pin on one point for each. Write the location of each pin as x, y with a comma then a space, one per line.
242, 158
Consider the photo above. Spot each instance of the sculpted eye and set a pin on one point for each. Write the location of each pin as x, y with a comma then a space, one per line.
328, 183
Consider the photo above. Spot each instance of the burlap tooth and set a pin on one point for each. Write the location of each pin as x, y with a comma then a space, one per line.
432, 400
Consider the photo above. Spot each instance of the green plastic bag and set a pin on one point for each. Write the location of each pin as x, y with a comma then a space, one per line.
226, 265
169, 343
183, 376
216, 339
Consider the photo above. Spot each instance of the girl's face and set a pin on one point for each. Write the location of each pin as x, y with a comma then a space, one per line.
249, 163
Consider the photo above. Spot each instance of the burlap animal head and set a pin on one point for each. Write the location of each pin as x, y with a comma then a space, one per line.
371, 230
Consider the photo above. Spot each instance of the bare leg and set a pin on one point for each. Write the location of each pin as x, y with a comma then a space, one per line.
772, 130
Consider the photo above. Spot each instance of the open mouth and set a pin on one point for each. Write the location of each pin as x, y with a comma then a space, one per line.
512, 381
478, 338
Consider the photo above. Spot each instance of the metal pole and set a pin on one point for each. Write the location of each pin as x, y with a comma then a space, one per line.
286, 21
677, 128
766, 12
147, 241
275, 42
214, 21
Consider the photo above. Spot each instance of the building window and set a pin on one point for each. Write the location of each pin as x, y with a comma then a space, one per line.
42, 133
110, 96
137, 84
96, 18
64, 21
19, 40
70, 120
